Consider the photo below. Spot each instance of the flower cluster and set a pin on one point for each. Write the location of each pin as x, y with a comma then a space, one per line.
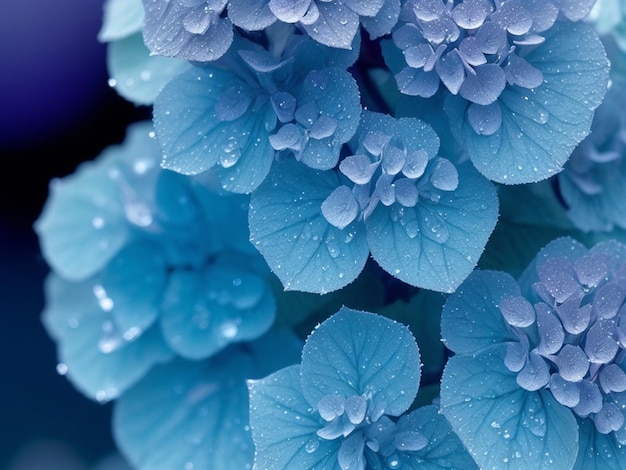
299, 139
343, 406
555, 343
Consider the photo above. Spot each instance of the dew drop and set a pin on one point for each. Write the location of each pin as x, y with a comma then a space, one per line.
312, 445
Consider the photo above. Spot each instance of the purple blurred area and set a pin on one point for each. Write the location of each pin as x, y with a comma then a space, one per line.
56, 110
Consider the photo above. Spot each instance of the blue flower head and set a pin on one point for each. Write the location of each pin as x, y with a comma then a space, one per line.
592, 184
544, 353
424, 220
237, 116
496, 63
342, 407
146, 264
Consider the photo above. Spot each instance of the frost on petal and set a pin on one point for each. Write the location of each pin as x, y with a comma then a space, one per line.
340, 208
451, 71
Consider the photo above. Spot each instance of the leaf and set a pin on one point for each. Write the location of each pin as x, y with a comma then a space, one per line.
516, 428
435, 245
359, 353
300, 246
471, 320
193, 138
277, 404
138, 76
540, 126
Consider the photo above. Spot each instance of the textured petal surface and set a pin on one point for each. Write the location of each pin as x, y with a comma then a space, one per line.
300, 246
357, 353
540, 126
516, 428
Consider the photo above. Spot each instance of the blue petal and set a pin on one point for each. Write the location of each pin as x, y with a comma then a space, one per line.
357, 353
136, 75
472, 319
103, 324
540, 126
187, 413
336, 26
121, 19
384, 21
293, 440
193, 138
251, 15
598, 451
289, 11
516, 428
336, 96
190, 413
189, 32
203, 312
408, 247
444, 449
300, 246
88, 217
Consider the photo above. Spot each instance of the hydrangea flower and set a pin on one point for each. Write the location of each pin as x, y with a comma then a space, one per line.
497, 62
187, 29
343, 406
194, 414
335, 23
235, 119
592, 184
424, 220
145, 267
541, 360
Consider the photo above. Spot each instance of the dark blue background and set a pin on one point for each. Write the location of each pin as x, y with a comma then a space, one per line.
56, 110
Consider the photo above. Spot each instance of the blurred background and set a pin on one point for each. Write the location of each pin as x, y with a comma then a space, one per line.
56, 110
